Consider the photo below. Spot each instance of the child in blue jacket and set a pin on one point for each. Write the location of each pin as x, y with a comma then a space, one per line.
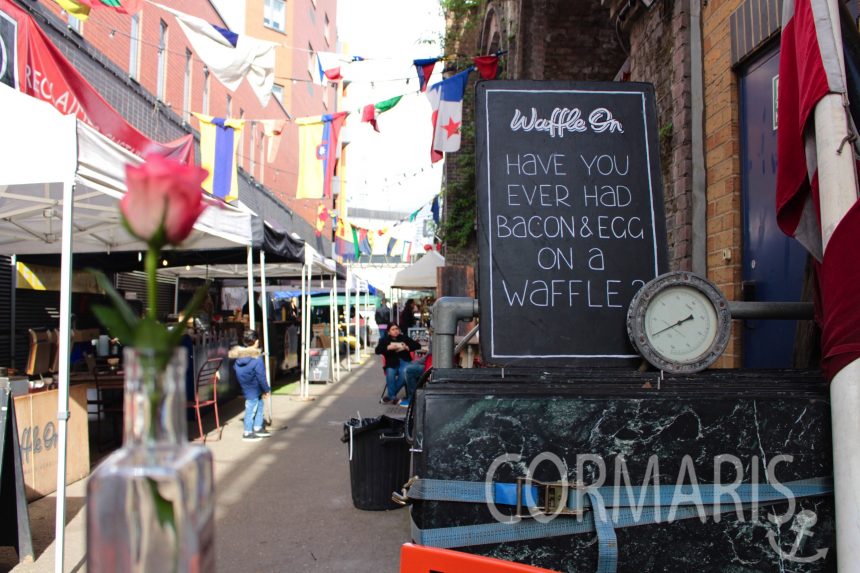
251, 373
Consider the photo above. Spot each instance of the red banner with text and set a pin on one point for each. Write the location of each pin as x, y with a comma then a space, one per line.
31, 63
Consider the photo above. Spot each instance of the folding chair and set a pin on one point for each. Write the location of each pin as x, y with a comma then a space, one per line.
207, 376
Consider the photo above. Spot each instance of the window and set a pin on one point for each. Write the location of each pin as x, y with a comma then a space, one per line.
186, 90
241, 150
134, 48
161, 79
326, 31
229, 112
274, 12
75, 24
205, 90
278, 92
261, 150
313, 68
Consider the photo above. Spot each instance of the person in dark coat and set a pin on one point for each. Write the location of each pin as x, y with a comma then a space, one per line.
251, 374
396, 348
382, 316
407, 316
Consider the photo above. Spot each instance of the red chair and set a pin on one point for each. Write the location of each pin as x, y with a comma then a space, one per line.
207, 376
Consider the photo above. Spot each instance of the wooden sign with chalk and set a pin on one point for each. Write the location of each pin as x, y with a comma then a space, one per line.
570, 218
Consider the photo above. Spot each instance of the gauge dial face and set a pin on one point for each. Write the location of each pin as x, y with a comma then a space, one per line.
681, 323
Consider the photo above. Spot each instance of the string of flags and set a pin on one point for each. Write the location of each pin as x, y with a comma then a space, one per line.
233, 57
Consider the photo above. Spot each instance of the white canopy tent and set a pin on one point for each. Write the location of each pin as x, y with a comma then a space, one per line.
60, 184
421, 275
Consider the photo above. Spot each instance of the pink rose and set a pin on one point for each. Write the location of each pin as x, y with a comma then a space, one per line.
162, 195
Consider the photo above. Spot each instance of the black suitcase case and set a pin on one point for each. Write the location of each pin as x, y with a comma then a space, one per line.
466, 419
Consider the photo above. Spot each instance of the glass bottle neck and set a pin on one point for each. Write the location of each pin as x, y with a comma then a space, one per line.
154, 401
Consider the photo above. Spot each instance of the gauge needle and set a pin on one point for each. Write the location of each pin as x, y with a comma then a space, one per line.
682, 321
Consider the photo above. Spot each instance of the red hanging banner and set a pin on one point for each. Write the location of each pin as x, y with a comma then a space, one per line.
31, 63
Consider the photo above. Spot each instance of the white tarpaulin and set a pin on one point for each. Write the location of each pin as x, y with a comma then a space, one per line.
421, 274
48, 149
60, 184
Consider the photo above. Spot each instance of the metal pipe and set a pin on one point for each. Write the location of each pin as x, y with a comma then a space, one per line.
775, 310
699, 199
447, 312
466, 339
252, 322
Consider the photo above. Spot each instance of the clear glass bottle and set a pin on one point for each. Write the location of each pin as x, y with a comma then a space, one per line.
151, 504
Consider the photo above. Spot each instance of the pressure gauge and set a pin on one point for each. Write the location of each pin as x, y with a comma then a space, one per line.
679, 322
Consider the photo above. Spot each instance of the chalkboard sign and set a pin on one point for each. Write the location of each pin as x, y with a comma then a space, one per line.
570, 218
15, 521
320, 359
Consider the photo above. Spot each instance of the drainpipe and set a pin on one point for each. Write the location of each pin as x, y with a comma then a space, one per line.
447, 312
699, 199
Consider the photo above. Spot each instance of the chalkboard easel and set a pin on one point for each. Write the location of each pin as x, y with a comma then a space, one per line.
15, 521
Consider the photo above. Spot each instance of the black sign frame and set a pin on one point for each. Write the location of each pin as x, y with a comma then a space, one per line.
543, 134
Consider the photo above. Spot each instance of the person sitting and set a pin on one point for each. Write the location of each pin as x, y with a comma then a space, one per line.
251, 373
396, 348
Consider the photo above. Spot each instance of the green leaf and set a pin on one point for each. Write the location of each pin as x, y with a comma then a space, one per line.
112, 319
163, 507
119, 303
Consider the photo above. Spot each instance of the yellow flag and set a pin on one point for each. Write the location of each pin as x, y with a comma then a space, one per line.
219, 140
77, 9
318, 143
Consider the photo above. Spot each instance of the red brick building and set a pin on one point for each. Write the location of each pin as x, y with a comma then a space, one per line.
714, 66
150, 54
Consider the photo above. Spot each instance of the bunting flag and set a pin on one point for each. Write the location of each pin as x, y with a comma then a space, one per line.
219, 140
371, 112
355, 245
406, 252
434, 208
342, 246
318, 141
272, 129
80, 9
446, 99
365, 245
488, 66
230, 56
322, 217
392, 242
329, 66
425, 70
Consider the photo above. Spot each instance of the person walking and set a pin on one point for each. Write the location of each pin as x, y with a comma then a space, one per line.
251, 373
396, 348
407, 316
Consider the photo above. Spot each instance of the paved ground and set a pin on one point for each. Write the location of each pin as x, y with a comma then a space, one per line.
284, 504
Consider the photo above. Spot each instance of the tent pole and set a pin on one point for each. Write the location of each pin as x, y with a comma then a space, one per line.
12, 314
336, 335
366, 320
63, 383
265, 318
357, 327
347, 313
252, 323
176, 295
838, 192
332, 306
309, 330
304, 335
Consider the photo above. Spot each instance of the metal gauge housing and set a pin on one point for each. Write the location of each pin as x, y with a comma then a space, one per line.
679, 322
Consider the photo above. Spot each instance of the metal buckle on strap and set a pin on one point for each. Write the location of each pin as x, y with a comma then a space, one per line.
551, 498
402, 498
